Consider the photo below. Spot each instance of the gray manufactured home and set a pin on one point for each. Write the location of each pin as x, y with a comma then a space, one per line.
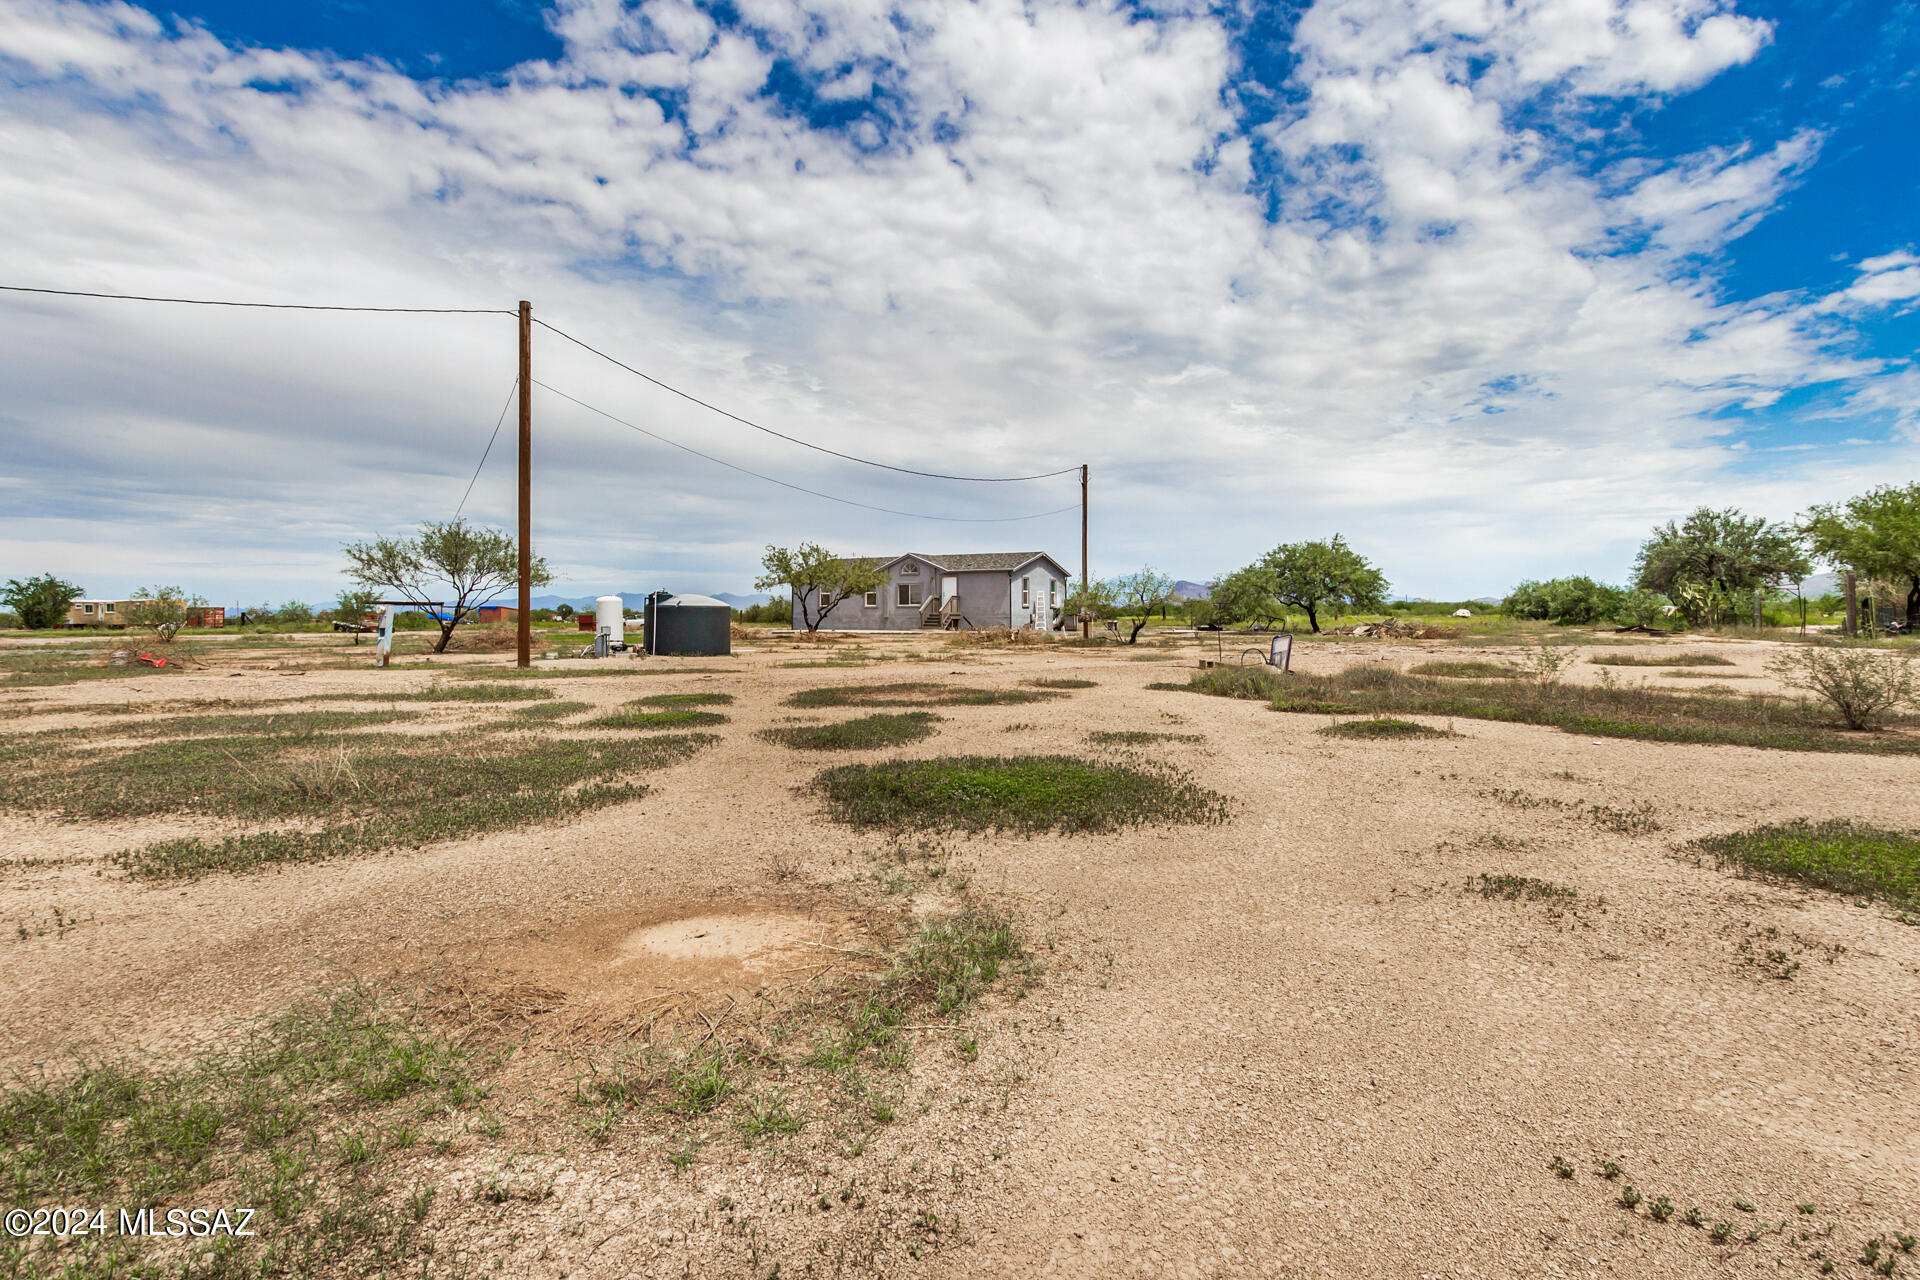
994, 589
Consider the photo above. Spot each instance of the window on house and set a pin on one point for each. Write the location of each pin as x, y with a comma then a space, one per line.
106, 608
907, 594
1026, 593
909, 570
873, 600
1053, 592
89, 608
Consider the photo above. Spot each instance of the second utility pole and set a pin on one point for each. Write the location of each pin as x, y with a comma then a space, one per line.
1086, 603
526, 485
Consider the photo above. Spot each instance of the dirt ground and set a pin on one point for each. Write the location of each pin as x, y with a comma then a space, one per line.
1290, 1045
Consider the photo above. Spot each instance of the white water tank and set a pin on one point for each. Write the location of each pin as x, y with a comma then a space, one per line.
610, 614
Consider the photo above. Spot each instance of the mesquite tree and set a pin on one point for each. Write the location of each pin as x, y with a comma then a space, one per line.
1877, 535
818, 579
41, 602
454, 566
1144, 591
1329, 575
1707, 562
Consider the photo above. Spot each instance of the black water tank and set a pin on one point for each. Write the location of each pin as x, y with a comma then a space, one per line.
699, 626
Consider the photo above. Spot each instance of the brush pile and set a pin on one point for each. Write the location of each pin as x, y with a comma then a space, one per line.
1395, 629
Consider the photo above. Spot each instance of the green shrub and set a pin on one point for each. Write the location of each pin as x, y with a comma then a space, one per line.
1642, 608
777, 611
1570, 602
1863, 684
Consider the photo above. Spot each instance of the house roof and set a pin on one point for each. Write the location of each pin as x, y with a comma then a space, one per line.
980, 561
965, 562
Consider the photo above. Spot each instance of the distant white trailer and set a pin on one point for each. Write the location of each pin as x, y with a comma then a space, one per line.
1463, 613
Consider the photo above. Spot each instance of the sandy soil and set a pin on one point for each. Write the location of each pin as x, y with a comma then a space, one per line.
1293, 1045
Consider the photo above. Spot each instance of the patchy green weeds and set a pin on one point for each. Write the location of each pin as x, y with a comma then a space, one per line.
1838, 855
1015, 793
917, 693
866, 733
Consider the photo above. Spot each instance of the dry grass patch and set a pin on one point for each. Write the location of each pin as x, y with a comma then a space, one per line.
494, 638
440, 693
1469, 669
541, 713
867, 733
1060, 682
266, 723
1601, 711
998, 638
299, 1123
637, 715
331, 794
1384, 727
1657, 660
1015, 793
42, 670
1137, 737
913, 693
1513, 888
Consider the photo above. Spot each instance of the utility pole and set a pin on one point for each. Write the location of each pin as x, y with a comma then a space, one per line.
1086, 600
1853, 606
526, 484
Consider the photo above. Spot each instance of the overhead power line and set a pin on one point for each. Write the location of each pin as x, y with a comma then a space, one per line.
273, 306
489, 449
558, 332
804, 444
911, 515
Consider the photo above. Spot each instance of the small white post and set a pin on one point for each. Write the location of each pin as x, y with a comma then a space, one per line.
383, 650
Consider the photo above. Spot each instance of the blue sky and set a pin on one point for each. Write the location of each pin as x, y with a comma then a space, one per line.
1490, 288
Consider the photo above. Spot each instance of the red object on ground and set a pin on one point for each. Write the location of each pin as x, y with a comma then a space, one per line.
585, 620
150, 660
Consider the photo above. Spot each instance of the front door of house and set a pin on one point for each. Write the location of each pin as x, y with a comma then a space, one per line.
949, 593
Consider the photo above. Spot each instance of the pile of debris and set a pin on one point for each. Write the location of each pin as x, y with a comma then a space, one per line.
1394, 629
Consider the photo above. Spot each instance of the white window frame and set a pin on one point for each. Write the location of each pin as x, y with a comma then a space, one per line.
88, 608
107, 607
872, 600
1026, 593
1053, 593
909, 570
902, 591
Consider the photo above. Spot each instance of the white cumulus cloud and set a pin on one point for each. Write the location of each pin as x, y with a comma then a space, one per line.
1477, 356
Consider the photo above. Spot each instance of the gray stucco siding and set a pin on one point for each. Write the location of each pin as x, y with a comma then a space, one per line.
983, 598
